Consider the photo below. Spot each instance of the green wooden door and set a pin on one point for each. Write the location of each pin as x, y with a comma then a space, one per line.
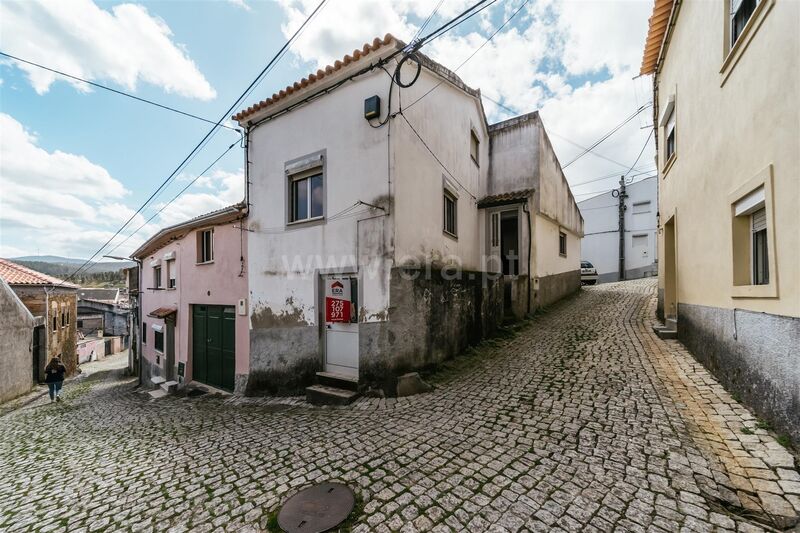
228, 347
214, 345
199, 355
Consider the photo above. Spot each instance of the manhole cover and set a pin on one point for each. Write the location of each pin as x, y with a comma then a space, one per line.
317, 509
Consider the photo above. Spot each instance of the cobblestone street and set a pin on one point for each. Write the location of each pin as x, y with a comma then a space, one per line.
582, 421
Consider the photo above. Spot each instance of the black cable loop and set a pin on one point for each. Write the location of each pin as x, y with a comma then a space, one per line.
397, 80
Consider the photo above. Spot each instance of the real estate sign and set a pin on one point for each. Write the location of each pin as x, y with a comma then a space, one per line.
337, 300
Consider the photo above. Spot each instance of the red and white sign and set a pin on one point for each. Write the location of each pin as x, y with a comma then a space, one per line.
337, 300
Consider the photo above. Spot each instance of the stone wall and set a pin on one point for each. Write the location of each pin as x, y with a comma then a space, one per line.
553, 288
431, 318
16, 358
754, 355
52, 303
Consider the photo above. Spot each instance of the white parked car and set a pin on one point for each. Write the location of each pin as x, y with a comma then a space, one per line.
588, 273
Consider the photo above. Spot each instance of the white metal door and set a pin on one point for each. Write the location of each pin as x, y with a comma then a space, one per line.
341, 338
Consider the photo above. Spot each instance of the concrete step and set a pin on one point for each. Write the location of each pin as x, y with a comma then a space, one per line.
325, 395
157, 380
169, 386
664, 333
671, 323
339, 381
156, 394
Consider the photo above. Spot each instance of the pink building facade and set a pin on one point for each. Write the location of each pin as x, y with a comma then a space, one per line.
193, 322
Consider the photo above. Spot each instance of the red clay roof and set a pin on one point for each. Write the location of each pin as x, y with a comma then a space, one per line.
163, 312
365, 50
15, 274
659, 20
505, 198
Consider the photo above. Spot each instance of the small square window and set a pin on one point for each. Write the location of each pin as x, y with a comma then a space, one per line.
205, 245
474, 147
450, 213
158, 341
157, 277
562, 243
305, 197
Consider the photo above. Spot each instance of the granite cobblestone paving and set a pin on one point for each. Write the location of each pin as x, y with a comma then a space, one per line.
583, 420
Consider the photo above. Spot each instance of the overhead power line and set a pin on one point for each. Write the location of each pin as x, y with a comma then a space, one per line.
550, 131
487, 41
607, 135
203, 141
115, 91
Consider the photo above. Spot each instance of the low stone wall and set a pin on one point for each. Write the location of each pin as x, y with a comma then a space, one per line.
553, 288
431, 318
283, 359
754, 355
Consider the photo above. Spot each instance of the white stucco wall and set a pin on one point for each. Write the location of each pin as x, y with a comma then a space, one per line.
546, 258
284, 258
600, 244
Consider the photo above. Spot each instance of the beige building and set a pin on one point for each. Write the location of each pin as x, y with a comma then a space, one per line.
726, 81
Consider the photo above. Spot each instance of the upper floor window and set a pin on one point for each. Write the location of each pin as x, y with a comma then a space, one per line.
305, 196
741, 11
562, 243
641, 207
205, 245
171, 280
450, 213
474, 147
157, 277
669, 135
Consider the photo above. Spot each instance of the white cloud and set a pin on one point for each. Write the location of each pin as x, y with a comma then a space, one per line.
573, 60
222, 189
125, 45
241, 4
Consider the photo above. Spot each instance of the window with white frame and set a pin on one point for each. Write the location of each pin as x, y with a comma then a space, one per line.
758, 254
306, 198
157, 277
158, 341
205, 245
474, 147
450, 211
741, 12
669, 136
752, 240
171, 274
562, 243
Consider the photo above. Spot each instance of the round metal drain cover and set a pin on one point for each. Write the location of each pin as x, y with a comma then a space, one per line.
317, 509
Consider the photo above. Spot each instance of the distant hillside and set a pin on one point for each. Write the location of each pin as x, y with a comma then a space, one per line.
49, 259
107, 274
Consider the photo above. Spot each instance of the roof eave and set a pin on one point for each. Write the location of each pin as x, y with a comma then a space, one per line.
216, 217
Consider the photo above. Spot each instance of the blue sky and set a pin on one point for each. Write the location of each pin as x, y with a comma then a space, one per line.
76, 162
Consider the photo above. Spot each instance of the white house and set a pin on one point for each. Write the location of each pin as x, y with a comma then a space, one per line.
382, 241
601, 242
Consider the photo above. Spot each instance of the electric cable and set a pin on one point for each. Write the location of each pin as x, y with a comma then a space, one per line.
213, 129
116, 91
608, 134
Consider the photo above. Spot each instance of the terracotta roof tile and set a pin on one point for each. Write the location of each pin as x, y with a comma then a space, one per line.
658, 22
366, 50
15, 274
505, 198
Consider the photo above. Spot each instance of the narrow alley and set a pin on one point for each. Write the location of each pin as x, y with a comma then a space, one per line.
582, 420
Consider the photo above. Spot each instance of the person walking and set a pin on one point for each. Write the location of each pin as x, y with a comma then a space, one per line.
54, 377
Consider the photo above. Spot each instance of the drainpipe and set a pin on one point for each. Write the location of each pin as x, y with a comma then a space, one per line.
526, 208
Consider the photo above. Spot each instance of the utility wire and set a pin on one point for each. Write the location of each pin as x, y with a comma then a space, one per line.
436, 158
607, 135
615, 175
223, 154
487, 41
550, 131
427, 21
646, 141
115, 91
202, 142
